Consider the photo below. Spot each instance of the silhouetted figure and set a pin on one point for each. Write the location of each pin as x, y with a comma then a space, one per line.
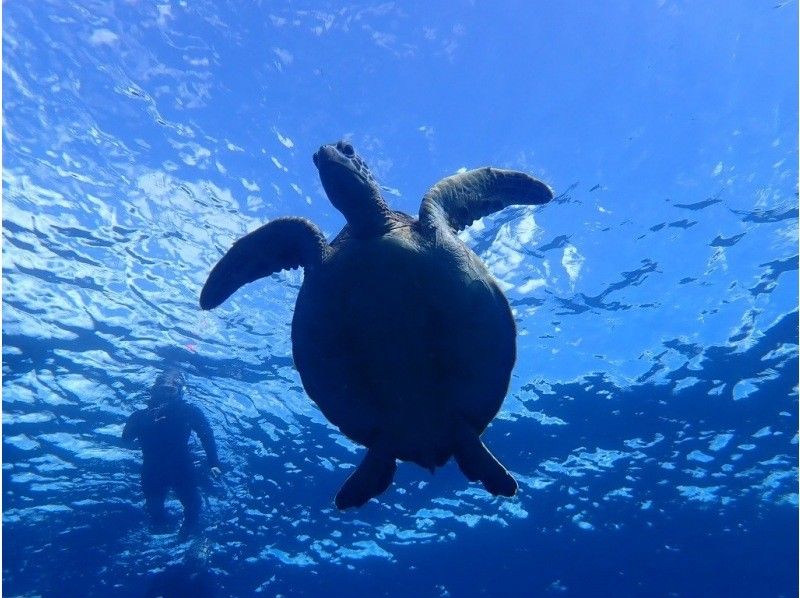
163, 431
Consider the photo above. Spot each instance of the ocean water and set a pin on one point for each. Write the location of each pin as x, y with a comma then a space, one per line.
652, 416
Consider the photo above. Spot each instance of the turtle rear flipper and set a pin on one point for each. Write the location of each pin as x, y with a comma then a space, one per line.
371, 478
282, 244
478, 464
461, 199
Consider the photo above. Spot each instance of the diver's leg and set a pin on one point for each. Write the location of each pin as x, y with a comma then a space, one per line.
480, 465
186, 488
371, 478
155, 492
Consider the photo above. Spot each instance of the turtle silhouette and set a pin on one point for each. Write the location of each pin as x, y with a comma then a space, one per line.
400, 334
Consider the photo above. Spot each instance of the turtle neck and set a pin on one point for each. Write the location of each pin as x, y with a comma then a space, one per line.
371, 218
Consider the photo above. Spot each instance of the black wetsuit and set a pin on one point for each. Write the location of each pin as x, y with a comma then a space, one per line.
163, 432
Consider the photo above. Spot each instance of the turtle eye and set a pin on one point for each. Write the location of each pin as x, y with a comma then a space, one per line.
347, 149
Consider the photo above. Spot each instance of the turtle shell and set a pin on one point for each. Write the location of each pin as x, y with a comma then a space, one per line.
396, 338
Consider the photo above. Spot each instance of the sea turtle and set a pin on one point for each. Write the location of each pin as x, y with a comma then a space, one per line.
400, 334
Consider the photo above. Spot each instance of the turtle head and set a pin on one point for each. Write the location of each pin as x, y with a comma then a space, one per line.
350, 186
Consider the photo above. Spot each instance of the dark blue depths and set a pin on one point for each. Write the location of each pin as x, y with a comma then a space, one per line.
744, 548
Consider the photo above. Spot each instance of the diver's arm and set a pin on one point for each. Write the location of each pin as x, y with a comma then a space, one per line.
203, 429
132, 427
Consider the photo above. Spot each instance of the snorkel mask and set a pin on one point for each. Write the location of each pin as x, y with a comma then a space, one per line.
168, 387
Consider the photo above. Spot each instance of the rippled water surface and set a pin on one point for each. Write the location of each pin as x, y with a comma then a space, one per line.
652, 414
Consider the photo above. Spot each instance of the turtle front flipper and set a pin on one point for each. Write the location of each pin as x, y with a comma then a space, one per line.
461, 199
478, 464
282, 244
371, 478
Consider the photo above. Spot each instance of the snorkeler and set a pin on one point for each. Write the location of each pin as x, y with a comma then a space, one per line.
163, 431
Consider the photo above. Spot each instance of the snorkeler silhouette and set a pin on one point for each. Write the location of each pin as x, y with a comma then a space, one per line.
163, 431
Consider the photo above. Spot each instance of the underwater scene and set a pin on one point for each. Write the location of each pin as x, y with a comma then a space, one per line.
378, 298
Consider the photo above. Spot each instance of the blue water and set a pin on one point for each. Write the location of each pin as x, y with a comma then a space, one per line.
652, 417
